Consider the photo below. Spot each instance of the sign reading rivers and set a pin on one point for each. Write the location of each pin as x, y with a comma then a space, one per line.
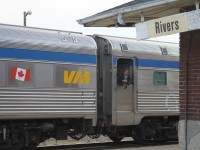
169, 25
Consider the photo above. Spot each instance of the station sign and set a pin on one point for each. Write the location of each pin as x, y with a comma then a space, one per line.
178, 23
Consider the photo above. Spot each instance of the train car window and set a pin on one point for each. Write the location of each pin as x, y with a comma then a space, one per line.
123, 64
160, 78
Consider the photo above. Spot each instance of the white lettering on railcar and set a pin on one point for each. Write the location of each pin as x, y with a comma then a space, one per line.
73, 39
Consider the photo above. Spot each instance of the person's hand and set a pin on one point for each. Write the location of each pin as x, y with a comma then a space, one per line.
125, 81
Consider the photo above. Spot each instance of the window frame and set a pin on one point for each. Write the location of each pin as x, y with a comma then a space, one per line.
163, 82
130, 66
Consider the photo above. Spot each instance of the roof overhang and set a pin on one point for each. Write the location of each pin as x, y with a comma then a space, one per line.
130, 15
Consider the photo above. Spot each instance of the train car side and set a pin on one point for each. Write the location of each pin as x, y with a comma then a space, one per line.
47, 85
149, 105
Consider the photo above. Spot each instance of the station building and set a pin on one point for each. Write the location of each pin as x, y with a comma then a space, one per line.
167, 17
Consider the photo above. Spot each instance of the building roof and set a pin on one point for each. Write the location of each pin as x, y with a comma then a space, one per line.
131, 3
130, 13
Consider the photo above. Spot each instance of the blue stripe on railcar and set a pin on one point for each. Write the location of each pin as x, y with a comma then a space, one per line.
158, 63
114, 60
153, 63
47, 56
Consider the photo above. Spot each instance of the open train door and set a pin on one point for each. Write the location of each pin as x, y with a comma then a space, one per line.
124, 98
125, 84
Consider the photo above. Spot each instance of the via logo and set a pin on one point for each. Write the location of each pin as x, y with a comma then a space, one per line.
76, 77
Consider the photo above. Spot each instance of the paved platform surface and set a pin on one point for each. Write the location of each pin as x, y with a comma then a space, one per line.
160, 147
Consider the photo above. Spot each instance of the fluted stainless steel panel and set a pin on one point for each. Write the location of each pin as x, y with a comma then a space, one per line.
40, 102
158, 101
141, 47
45, 40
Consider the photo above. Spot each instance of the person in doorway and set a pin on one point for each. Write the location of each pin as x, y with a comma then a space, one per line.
125, 79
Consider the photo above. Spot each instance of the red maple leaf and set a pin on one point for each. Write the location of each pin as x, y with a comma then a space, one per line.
20, 74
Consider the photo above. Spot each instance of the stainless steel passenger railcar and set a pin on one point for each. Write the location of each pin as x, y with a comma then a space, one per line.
59, 84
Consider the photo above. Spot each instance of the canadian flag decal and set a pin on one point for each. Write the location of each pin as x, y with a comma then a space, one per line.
20, 74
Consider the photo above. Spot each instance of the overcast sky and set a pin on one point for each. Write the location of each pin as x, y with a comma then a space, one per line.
62, 15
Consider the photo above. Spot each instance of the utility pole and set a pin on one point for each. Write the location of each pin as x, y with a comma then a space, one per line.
25, 15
